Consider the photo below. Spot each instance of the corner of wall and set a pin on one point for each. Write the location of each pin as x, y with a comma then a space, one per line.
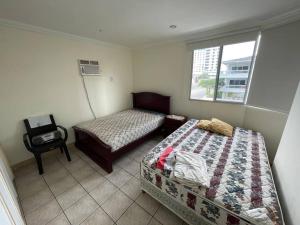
270, 123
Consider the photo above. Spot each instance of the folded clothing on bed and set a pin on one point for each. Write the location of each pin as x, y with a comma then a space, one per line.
190, 169
166, 160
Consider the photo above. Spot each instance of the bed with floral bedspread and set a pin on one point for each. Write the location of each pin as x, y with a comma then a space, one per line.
241, 189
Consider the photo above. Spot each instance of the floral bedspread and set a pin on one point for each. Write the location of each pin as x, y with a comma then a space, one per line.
241, 189
119, 129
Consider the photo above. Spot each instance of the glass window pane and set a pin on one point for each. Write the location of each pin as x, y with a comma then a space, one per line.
205, 68
233, 82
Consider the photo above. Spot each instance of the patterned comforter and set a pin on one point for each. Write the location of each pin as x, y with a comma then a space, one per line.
119, 129
241, 189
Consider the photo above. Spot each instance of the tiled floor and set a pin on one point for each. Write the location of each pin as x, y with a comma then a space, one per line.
80, 192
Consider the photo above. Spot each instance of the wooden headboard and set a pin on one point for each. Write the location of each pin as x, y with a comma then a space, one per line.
151, 101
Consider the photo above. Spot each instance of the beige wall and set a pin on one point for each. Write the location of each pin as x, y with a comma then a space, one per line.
40, 75
269, 123
287, 165
167, 69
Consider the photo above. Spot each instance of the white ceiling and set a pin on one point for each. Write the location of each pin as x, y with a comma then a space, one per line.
139, 22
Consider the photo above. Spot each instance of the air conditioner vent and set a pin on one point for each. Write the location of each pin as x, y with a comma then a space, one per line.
94, 63
89, 67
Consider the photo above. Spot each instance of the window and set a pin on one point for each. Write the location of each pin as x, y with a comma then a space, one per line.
204, 76
226, 77
237, 82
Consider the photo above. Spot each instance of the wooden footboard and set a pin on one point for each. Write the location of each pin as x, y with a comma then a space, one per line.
100, 152
92, 146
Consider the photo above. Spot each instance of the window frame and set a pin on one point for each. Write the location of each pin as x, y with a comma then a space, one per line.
221, 46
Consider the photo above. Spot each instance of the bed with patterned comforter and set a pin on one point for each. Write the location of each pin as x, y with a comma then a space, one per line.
241, 189
119, 129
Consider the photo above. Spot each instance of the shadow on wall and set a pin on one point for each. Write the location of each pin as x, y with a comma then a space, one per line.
287, 165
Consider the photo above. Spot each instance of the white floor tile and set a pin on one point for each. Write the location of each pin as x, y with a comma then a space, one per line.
116, 205
44, 214
134, 215
71, 196
81, 210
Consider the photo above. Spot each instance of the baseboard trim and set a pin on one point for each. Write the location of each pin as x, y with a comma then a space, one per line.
45, 155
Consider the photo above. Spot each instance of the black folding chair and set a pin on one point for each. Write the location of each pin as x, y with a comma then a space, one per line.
42, 136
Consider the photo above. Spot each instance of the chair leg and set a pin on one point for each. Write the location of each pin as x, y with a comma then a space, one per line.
39, 162
67, 152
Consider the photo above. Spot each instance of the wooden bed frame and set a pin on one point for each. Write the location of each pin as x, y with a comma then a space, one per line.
100, 152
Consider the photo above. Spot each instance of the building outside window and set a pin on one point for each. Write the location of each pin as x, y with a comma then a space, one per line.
204, 76
221, 73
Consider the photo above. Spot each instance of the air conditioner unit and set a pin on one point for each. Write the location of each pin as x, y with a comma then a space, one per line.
89, 67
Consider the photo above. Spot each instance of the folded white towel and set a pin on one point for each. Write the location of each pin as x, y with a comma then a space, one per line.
190, 169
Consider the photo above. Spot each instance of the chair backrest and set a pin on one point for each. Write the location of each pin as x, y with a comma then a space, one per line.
39, 125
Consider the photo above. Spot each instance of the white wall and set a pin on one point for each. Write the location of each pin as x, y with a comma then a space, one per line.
40, 75
287, 165
166, 68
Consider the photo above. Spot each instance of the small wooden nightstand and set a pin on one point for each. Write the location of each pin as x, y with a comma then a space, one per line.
172, 123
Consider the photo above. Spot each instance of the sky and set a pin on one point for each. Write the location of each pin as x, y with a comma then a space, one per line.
236, 51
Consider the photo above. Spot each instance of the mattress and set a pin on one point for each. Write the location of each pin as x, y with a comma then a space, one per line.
241, 188
122, 128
